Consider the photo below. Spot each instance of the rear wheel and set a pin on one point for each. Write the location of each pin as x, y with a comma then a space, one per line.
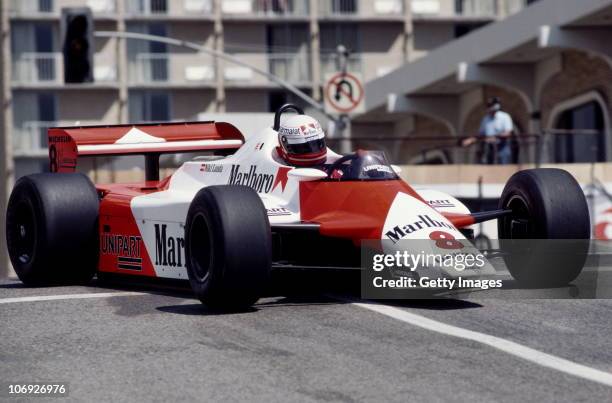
228, 246
51, 229
547, 205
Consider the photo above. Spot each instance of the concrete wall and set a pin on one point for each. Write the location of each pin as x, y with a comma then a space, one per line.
187, 104
381, 48
242, 100
88, 107
427, 37
581, 74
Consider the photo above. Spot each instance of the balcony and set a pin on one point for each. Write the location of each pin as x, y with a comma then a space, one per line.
38, 68
364, 9
178, 69
291, 67
32, 7
476, 8
455, 9
47, 69
171, 69
51, 8
30, 140
137, 9
265, 8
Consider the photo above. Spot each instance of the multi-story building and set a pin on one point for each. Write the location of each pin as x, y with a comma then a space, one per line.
295, 40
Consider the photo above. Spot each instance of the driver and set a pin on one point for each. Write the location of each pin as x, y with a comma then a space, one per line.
302, 142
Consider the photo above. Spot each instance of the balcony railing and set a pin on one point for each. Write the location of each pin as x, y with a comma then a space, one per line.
171, 68
476, 8
185, 69
330, 63
338, 7
294, 68
49, 7
267, 8
38, 68
29, 7
30, 140
361, 8
102, 6
147, 7
169, 8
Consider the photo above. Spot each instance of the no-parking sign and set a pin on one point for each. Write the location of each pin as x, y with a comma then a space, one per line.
344, 93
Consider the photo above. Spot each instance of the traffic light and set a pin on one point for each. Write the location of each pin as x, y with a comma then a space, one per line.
77, 31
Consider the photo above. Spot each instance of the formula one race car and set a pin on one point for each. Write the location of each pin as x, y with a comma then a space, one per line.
225, 221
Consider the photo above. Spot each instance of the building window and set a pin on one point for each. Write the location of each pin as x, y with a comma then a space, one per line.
148, 61
33, 114
288, 52
579, 134
149, 106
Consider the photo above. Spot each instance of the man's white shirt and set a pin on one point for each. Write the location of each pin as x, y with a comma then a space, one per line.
497, 124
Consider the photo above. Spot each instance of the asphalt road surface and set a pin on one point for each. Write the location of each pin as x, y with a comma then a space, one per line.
112, 343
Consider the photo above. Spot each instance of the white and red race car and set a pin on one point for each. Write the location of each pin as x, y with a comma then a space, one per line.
225, 221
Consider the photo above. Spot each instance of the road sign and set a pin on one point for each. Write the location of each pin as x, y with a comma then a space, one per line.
344, 93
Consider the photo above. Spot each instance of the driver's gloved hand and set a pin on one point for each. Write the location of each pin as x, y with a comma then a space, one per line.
337, 174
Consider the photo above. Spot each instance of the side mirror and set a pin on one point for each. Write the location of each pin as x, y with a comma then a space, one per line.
307, 174
397, 169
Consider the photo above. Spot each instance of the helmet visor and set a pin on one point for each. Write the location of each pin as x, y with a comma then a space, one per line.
313, 146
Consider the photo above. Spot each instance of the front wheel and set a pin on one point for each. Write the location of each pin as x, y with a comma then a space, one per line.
546, 238
228, 244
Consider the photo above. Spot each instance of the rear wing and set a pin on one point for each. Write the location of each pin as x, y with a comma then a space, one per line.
67, 144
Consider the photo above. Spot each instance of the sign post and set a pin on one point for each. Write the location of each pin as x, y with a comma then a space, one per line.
343, 96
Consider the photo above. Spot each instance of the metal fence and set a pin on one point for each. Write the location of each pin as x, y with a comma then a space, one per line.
550, 146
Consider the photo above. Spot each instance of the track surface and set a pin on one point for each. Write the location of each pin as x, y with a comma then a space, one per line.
162, 345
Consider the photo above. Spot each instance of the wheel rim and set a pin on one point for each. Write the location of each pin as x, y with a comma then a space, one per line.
200, 247
519, 225
23, 233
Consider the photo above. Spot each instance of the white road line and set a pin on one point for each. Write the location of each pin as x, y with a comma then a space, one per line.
507, 346
37, 298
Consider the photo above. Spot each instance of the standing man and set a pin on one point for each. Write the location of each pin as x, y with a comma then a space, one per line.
495, 131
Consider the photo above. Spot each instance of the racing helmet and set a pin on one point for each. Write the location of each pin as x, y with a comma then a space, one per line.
302, 141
